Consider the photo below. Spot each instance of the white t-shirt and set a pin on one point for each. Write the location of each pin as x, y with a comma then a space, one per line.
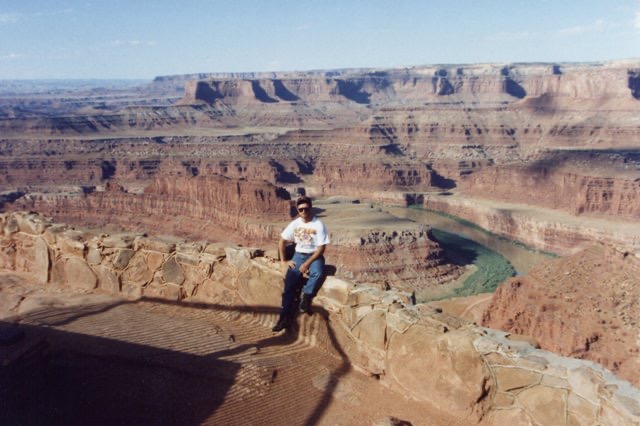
307, 235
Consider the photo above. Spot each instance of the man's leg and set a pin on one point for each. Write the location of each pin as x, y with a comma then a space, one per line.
291, 283
291, 286
309, 290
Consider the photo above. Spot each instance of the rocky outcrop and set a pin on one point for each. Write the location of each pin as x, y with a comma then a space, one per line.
211, 207
481, 374
43, 163
138, 118
572, 182
585, 306
491, 81
544, 229
357, 180
408, 260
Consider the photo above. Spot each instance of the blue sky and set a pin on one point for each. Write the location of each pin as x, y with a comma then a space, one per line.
144, 39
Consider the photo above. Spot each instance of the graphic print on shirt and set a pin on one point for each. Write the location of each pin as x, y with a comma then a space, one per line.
305, 237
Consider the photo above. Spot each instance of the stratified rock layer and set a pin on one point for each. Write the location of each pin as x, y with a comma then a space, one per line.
585, 306
544, 229
194, 206
555, 136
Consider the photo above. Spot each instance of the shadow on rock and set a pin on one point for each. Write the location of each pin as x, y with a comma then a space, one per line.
51, 375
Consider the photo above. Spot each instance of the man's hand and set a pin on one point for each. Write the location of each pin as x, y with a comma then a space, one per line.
304, 268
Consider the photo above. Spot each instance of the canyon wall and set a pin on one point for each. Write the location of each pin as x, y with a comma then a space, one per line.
481, 375
131, 118
581, 184
357, 180
543, 229
421, 127
561, 138
502, 132
495, 82
190, 206
585, 306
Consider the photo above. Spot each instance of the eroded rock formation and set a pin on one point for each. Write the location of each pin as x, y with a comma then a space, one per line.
198, 207
585, 306
579, 183
557, 136
545, 229
497, 82
480, 375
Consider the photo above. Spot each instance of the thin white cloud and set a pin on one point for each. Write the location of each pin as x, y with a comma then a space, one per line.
636, 21
67, 11
303, 27
132, 43
11, 56
8, 18
598, 25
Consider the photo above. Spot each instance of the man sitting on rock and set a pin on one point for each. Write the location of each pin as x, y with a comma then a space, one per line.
311, 238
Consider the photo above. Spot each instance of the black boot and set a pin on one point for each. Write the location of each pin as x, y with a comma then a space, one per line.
305, 304
283, 322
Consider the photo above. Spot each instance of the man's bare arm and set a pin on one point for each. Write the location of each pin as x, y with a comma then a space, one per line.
282, 248
282, 251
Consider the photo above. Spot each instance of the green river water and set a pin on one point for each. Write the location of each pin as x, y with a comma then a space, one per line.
490, 259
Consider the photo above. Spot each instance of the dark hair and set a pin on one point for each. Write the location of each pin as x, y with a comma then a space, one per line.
304, 200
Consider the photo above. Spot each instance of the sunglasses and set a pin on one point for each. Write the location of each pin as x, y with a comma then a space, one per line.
303, 209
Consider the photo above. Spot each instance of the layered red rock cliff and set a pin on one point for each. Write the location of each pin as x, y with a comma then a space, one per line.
406, 260
495, 82
585, 306
576, 190
211, 208
555, 136
542, 228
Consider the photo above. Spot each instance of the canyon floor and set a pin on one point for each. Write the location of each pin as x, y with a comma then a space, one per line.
95, 359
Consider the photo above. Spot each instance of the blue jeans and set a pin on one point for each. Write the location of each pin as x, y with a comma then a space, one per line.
294, 276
